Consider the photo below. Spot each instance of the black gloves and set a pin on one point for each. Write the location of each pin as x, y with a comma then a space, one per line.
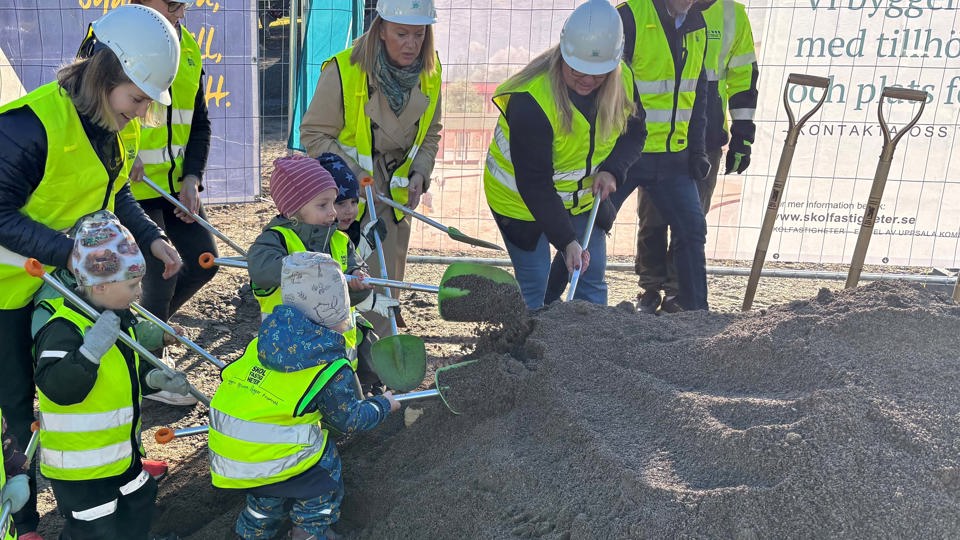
699, 165
738, 155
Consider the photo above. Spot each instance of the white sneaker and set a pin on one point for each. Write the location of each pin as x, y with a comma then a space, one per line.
170, 398
165, 396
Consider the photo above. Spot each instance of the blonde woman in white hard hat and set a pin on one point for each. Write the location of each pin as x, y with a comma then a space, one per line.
60, 158
568, 131
377, 105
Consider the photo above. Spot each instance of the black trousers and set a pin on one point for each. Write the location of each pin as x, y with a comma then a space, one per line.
163, 297
117, 508
17, 391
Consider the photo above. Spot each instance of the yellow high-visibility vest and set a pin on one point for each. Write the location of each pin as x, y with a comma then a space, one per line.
162, 147
666, 98
576, 154
74, 184
356, 137
259, 432
93, 438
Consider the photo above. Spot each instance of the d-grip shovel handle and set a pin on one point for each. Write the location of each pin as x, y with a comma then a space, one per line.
906, 94
35, 269
802, 79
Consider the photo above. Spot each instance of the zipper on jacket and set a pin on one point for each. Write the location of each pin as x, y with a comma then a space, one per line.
589, 169
170, 144
678, 66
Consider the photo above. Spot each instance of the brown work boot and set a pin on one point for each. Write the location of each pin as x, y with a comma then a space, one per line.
671, 304
648, 302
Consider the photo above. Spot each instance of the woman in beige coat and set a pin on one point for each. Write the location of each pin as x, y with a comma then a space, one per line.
377, 105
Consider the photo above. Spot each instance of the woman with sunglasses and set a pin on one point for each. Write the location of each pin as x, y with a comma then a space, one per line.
569, 129
64, 153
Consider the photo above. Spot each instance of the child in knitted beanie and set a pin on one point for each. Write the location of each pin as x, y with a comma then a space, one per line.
90, 386
270, 415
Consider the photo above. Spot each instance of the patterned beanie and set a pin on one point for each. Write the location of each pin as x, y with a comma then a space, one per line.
295, 180
347, 184
104, 251
314, 284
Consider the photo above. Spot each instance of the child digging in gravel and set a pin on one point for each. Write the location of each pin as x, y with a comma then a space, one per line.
305, 193
266, 434
90, 387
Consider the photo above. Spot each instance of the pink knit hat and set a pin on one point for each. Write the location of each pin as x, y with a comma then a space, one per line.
295, 180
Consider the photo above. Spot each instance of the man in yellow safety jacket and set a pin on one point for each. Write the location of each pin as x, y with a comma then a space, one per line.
666, 45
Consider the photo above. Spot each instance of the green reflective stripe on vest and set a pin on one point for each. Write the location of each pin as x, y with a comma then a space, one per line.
162, 147
93, 438
259, 432
668, 105
356, 137
74, 182
571, 152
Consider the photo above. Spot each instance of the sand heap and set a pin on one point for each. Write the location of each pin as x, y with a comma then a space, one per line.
834, 417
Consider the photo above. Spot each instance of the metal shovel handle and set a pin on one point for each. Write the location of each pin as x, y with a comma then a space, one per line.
165, 434
783, 171
207, 260
182, 339
203, 223
575, 276
367, 183
35, 269
451, 232
880, 176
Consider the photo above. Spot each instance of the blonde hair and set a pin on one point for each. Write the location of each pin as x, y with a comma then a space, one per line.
366, 49
89, 81
614, 106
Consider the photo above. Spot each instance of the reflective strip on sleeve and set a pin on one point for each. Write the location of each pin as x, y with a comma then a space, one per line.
136, 483
742, 60
742, 114
52, 354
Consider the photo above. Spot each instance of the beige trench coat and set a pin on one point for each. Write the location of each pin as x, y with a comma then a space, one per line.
393, 136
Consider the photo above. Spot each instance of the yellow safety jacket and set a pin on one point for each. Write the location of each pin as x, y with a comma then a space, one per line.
162, 147
667, 91
74, 183
576, 154
731, 58
8, 531
260, 433
97, 437
270, 298
356, 137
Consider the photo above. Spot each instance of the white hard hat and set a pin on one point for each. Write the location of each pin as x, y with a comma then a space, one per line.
414, 12
591, 41
146, 45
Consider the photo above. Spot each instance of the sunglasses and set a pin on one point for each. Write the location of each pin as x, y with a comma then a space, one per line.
173, 7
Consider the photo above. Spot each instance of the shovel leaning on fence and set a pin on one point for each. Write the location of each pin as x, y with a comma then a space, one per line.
783, 171
443, 391
6, 511
452, 232
880, 177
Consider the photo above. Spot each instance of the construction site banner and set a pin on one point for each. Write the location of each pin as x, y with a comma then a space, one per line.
38, 36
861, 45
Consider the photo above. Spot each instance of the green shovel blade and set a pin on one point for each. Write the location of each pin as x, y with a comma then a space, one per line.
400, 361
453, 292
